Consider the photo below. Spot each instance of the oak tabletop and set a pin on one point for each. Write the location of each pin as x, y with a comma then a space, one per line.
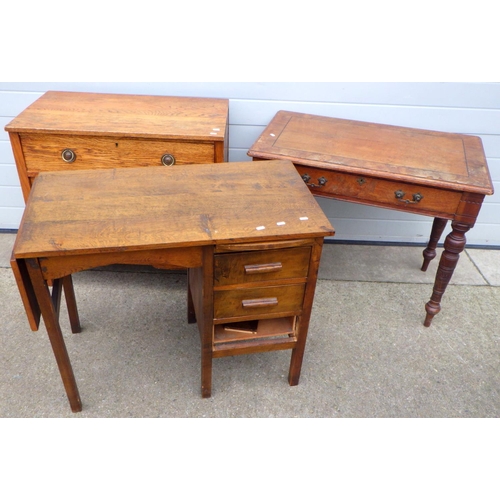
439, 159
144, 116
97, 211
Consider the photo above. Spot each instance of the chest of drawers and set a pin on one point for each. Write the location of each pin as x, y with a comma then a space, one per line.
80, 130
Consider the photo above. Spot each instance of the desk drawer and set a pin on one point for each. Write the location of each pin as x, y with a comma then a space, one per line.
258, 302
380, 192
43, 152
249, 267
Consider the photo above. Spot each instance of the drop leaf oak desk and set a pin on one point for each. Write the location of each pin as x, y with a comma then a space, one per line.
250, 235
442, 175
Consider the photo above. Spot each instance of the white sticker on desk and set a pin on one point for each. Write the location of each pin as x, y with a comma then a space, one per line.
260, 228
303, 218
280, 223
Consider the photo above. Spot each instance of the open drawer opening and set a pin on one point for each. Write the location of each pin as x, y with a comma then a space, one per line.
255, 329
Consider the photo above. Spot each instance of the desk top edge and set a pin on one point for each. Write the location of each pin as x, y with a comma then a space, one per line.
270, 238
134, 209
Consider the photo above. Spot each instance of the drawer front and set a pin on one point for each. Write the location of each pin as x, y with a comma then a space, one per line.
390, 194
258, 302
251, 267
43, 152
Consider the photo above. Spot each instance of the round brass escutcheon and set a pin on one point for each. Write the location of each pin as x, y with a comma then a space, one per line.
168, 160
68, 155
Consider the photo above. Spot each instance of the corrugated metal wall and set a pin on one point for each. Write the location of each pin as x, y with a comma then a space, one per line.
470, 108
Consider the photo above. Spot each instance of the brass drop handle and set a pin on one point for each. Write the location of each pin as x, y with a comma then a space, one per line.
168, 160
265, 302
415, 198
321, 181
263, 268
68, 155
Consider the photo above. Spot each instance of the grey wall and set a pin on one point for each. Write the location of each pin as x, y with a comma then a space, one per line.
470, 108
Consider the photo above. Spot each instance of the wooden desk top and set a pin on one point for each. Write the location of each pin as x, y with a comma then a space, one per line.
439, 159
99, 211
143, 116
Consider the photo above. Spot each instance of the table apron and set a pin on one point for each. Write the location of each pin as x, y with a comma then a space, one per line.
391, 194
166, 258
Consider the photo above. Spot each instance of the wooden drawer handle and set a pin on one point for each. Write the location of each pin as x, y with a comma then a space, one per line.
270, 301
263, 268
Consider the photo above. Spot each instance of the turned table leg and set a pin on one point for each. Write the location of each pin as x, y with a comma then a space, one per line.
437, 230
453, 246
50, 318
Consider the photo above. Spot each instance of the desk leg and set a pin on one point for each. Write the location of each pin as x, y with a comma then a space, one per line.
303, 326
191, 312
206, 322
69, 294
298, 351
49, 315
437, 230
453, 246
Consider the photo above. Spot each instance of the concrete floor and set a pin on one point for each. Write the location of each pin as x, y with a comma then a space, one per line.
368, 353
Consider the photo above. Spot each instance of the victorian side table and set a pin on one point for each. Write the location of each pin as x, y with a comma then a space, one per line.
442, 175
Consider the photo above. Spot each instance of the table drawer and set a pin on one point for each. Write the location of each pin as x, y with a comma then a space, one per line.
44, 152
386, 193
249, 267
258, 302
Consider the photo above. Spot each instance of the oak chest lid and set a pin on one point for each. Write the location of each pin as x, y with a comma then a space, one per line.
145, 116
453, 161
